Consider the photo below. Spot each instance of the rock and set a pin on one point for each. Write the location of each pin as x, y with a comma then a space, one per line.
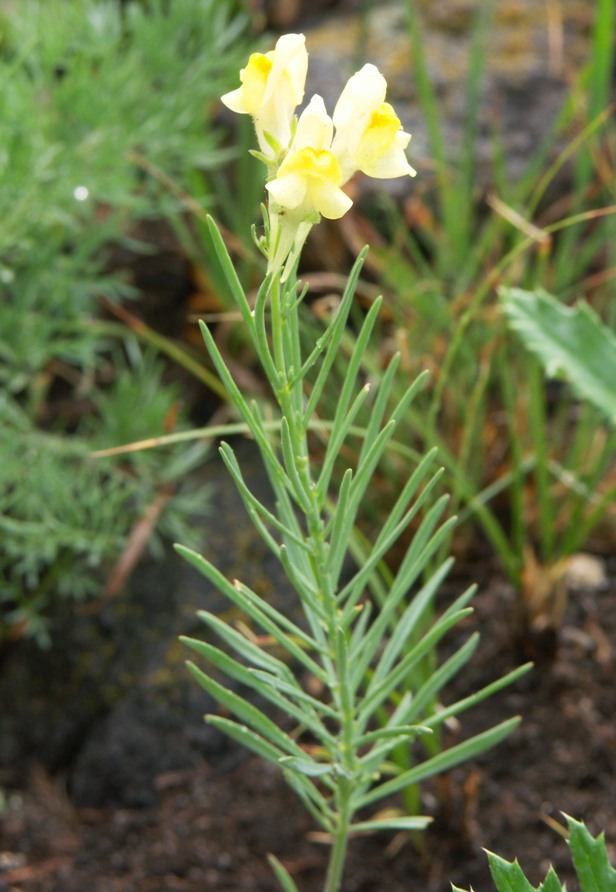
531, 52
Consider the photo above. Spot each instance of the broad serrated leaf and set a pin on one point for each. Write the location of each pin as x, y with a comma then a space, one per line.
593, 869
551, 883
508, 876
571, 343
592, 866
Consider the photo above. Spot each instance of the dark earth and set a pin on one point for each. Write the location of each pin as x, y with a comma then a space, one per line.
111, 782
210, 824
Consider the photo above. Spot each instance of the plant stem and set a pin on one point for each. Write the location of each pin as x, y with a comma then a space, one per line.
290, 396
337, 857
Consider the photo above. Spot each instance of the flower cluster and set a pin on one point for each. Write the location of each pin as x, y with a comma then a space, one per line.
311, 158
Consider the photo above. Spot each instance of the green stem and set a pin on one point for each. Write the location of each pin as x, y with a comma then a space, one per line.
335, 868
289, 394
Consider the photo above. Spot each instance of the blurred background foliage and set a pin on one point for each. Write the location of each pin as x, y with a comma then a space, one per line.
90, 89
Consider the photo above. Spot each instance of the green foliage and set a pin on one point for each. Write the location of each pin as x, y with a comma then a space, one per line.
364, 651
571, 343
594, 872
93, 91
65, 516
100, 101
572, 457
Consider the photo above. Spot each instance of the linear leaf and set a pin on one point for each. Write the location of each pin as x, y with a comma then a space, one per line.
407, 624
294, 690
337, 438
282, 875
246, 712
377, 693
246, 648
252, 503
472, 700
307, 767
259, 610
338, 324
418, 822
246, 737
438, 679
351, 593
354, 364
233, 669
248, 413
443, 761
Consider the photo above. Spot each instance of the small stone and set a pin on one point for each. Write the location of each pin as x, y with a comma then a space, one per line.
585, 572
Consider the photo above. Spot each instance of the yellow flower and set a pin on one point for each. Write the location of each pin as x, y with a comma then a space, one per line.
306, 186
369, 136
308, 180
310, 159
272, 86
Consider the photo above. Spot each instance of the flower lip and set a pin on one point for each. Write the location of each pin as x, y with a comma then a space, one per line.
308, 183
316, 163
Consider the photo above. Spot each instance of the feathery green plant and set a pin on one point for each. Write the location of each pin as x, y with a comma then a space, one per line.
94, 95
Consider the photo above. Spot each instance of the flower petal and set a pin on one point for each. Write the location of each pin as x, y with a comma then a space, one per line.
314, 128
330, 201
287, 190
364, 92
235, 101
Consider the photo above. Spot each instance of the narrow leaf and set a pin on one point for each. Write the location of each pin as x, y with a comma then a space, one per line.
246, 737
401, 823
282, 875
307, 767
246, 712
442, 761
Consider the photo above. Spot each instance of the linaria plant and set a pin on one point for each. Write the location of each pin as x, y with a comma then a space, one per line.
358, 650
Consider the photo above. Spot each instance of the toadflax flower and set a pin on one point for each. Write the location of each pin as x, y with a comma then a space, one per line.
306, 186
369, 136
309, 179
272, 86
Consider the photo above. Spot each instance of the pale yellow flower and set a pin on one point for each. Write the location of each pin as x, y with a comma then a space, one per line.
369, 136
306, 186
272, 86
309, 179
309, 160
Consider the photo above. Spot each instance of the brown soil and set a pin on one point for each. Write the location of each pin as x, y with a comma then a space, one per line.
213, 827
